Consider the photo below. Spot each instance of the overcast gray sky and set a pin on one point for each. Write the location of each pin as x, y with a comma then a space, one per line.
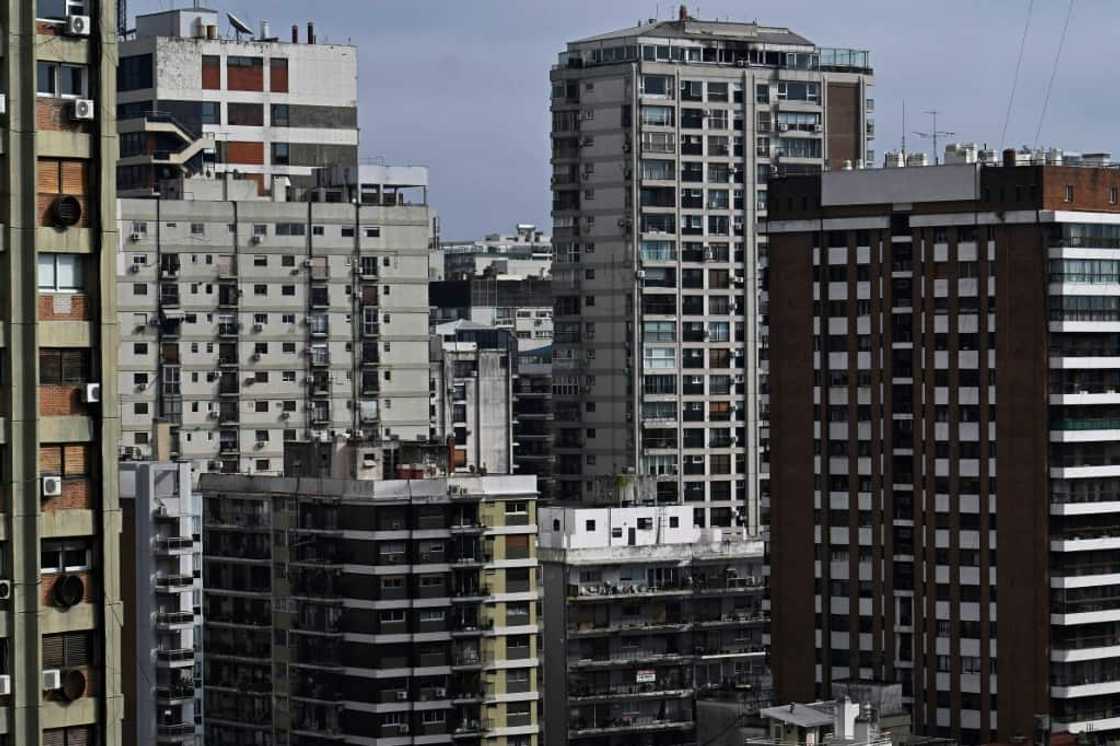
462, 85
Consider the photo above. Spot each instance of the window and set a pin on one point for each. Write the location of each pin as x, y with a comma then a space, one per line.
791, 90
63, 366
198, 229
245, 115
260, 407
278, 74
211, 112
134, 72
281, 153
60, 273
590, 525
288, 290
290, 229
288, 318
68, 650
288, 376
260, 290
1069, 193
58, 9
65, 556
140, 348
54, 79
287, 261
280, 115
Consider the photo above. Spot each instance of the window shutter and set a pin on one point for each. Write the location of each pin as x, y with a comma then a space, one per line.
52, 652
77, 649
79, 735
54, 737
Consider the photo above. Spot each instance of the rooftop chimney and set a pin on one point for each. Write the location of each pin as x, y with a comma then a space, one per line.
310, 32
295, 33
264, 30
683, 15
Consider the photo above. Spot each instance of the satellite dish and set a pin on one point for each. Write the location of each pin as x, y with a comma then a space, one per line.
238, 25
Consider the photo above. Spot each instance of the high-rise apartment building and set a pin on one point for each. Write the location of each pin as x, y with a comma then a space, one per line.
645, 614
520, 304
60, 611
193, 100
390, 611
249, 322
664, 136
945, 364
161, 585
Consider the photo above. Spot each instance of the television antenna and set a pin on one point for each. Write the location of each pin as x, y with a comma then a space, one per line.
934, 134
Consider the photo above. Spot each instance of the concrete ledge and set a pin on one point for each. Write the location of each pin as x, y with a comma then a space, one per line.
57, 143
79, 712
71, 239
80, 617
60, 523
64, 333
65, 429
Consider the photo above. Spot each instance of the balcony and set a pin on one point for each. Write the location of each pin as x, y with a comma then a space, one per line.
228, 329
176, 657
174, 583
175, 693
174, 732
174, 619
170, 546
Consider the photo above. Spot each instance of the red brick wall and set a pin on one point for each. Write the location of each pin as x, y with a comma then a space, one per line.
60, 399
1091, 188
47, 28
79, 307
250, 153
54, 114
72, 462
46, 587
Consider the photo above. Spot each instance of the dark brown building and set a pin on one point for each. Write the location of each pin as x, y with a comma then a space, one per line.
945, 369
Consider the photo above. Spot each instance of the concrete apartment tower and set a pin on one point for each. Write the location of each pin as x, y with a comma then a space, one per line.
945, 367
248, 104
161, 584
61, 614
664, 136
394, 611
250, 322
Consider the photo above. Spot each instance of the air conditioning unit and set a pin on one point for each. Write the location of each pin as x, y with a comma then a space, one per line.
82, 109
214, 464
402, 697
5, 685
742, 63
403, 730
818, 128
52, 486
3, 103
212, 414
256, 356
133, 268
91, 394
440, 692
258, 327
307, 262
52, 679
285, 415
783, 127
5, 590
134, 237
77, 25
261, 444
254, 239
625, 147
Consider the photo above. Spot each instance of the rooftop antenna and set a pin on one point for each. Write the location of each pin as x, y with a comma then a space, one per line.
904, 130
122, 18
934, 134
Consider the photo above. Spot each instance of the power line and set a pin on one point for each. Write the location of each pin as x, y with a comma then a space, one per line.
1015, 80
1053, 74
